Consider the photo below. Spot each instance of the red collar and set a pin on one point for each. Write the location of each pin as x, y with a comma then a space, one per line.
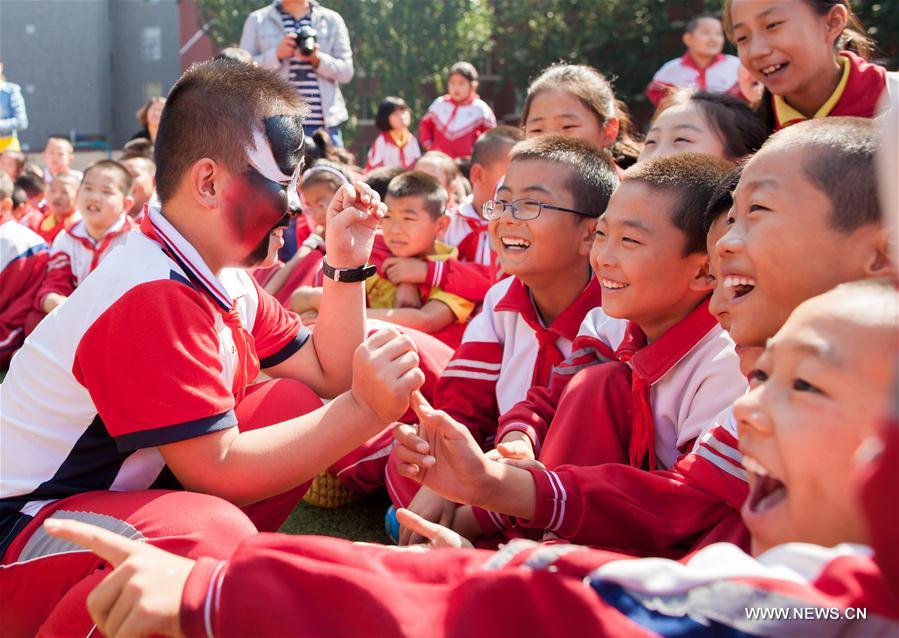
653, 361
518, 299
156, 227
864, 87
690, 61
471, 98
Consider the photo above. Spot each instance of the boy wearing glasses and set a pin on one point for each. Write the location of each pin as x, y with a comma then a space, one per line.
652, 367
541, 225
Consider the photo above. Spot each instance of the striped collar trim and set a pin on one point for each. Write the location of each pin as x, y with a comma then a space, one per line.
184, 254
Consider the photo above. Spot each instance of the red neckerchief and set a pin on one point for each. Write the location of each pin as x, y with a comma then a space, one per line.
476, 224
690, 61
97, 249
247, 367
648, 364
471, 98
861, 94
566, 325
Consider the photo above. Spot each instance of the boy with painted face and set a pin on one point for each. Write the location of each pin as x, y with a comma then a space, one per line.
817, 393
94, 417
810, 191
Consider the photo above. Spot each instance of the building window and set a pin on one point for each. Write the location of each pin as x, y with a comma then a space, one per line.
151, 44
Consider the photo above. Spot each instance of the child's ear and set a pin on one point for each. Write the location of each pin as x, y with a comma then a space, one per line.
687, 39
836, 20
701, 281
442, 224
587, 227
474, 86
475, 174
610, 131
127, 203
203, 175
879, 263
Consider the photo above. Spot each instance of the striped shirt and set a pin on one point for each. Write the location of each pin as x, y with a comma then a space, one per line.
302, 74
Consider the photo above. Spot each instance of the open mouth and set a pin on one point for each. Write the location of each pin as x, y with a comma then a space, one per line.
739, 285
611, 284
772, 69
92, 209
515, 244
765, 490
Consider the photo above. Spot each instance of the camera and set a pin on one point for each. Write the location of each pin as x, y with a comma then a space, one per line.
306, 37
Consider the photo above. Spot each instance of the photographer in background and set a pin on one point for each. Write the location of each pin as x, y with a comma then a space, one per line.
310, 47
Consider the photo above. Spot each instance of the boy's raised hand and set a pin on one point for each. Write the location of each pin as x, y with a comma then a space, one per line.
441, 454
385, 374
353, 216
430, 506
142, 595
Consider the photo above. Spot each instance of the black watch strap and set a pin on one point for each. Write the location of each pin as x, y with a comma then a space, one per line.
348, 275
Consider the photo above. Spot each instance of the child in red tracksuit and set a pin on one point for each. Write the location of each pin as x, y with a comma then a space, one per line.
528, 321
454, 121
805, 75
768, 265
103, 201
812, 561
61, 213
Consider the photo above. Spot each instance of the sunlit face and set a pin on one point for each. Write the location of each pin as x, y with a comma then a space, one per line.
433, 168
562, 113
9, 165
779, 248
638, 257
101, 200
784, 45
142, 184
61, 195
58, 156
484, 179
315, 198
816, 393
555, 244
459, 88
400, 119
409, 229
707, 39
718, 305
679, 129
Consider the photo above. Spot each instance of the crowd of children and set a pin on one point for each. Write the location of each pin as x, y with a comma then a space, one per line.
612, 383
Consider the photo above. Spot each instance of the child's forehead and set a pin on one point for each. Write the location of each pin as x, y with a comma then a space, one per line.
407, 203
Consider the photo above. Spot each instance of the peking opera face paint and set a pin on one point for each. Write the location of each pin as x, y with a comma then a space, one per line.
262, 199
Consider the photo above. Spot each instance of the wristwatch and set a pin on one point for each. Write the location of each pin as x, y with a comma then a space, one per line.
348, 275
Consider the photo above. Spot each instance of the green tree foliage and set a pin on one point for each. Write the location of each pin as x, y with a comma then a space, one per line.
224, 18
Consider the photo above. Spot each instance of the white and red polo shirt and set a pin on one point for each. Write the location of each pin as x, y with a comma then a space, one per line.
141, 355
454, 127
718, 77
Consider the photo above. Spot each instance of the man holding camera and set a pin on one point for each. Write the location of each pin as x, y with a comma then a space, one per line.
310, 47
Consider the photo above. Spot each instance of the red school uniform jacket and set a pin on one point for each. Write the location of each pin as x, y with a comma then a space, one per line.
23, 264
386, 152
858, 97
454, 127
718, 77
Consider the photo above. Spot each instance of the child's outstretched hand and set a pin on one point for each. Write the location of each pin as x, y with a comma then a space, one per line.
142, 595
431, 507
353, 216
441, 454
385, 374
436, 535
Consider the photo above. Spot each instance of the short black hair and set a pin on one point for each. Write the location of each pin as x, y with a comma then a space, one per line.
839, 160
138, 146
723, 198
211, 112
387, 108
122, 174
692, 178
379, 178
235, 54
590, 173
31, 184
465, 69
417, 183
695, 20
495, 144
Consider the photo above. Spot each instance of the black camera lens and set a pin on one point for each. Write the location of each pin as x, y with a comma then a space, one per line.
306, 37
